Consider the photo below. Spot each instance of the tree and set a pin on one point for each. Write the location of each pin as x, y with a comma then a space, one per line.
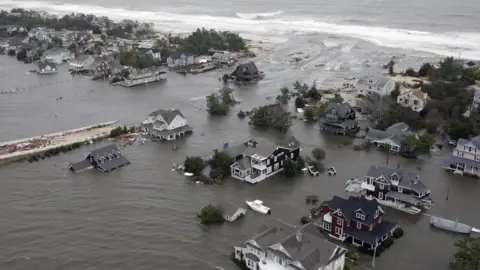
21, 55
309, 114
318, 154
424, 70
220, 164
396, 92
418, 145
202, 40
462, 127
137, 59
311, 199
194, 165
211, 214
11, 52
284, 97
300, 102
336, 99
216, 105
467, 255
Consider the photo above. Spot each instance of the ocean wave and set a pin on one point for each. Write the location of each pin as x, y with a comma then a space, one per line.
258, 16
450, 44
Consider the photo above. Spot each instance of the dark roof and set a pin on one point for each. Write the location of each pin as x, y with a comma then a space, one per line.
239, 149
108, 165
80, 166
371, 237
42, 65
178, 55
350, 206
341, 110
475, 140
289, 143
104, 151
303, 246
245, 70
167, 115
116, 162
405, 178
252, 257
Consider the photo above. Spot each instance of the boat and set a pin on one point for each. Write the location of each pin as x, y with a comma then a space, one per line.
258, 206
453, 226
331, 171
401, 202
313, 170
188, 174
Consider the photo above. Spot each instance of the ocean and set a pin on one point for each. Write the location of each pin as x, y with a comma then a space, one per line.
444, 27
143, 216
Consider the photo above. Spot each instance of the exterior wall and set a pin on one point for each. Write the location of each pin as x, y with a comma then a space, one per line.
57, 59
177, 122
338, 264
467, 151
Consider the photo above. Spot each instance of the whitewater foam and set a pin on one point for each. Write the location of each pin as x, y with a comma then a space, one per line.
270, 25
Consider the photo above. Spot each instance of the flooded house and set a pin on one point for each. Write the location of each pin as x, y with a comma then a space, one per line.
247, 72
180, 59
224, 59
46, 67
264, 160
166, 124
143, 76
392, 137
464, 159
356, 220
280, 246
81, 62
375, 84
338, 119
154, 52
58, 56
232, 212
106, 159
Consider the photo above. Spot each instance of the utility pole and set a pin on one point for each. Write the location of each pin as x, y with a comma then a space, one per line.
388, 152
374, 253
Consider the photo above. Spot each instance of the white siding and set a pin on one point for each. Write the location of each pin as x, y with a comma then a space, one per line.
177, 122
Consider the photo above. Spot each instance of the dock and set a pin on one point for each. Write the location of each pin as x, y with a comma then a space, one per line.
18, 150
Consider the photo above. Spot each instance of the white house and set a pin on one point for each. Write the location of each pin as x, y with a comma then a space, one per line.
58, 56
47, 68
465, 158
284, 247
155, 53
203, 59
232, 212
166, 124
81, 62
375, 84
180, 59
414, 99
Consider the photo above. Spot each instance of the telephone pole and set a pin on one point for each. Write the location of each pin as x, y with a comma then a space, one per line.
374, 253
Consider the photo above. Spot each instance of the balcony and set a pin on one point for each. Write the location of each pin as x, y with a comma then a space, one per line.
268, 264
258, 164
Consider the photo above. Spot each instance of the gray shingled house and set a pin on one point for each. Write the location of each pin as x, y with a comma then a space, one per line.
106, 159
338, 119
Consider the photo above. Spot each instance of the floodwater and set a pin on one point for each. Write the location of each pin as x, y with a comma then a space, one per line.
143, 216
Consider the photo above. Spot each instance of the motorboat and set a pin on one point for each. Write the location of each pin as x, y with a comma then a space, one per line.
331, 171
453, 226
188, 174
258, 206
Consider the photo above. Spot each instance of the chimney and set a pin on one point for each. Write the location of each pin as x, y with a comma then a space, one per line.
469, 138
299, 236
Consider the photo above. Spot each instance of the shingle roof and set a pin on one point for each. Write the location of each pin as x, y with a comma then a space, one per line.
475, 141
289, 143
177, 55
167, 115
377, 80
303, 246
80, 166
244, 163
230, 208
340, 109
349, 207
405, 178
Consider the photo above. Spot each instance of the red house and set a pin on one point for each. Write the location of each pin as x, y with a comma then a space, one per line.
357, 220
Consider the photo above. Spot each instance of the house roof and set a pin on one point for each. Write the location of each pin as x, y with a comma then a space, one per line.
245, 70
55, 51
303, 246
42, 65
244, 163
80, 166
371, 237
104, 151
167, 115
230, 208
263, 149
289, 143
376, 134
116, 162
340, 109
178, 55
421, 95
405, 178
376, 80
350, 206
475, 141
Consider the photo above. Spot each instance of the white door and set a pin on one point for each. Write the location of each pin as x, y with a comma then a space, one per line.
380, 195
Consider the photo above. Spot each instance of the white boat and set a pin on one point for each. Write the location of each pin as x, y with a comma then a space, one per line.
188, 174
453, 226
258, 206
401, 202
331, 171
313, 170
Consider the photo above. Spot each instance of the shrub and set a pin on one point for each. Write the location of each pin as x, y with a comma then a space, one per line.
398, 233
304, 220
346, 267
211, 214
352, 255
363, 250
388, 242
194, 165
311, 199
241, 114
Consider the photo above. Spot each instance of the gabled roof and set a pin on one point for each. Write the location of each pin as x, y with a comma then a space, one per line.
341, 110
230, 208
406, 179
178, 55
475, 141
376, 80
350, 206
290, 143
303, 246
104, 151
167, 115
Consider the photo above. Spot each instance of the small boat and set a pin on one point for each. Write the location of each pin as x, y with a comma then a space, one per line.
313, 170
331, 171
258, 206
188, 174
453, 226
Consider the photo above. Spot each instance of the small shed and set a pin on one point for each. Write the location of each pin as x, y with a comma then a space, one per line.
232, 212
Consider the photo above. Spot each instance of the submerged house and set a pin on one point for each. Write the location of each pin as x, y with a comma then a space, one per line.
280, 246
46, 68
338, 119
356, 220
106, 159
247, 72
392, 137
58, 56
166, 124
465, 158
232, 212
143, 76
260, 161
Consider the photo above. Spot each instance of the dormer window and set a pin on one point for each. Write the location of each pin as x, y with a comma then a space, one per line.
110, 156
102, 159
360, 216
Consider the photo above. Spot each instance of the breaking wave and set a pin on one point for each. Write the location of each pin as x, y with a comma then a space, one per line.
259, 16
270, 26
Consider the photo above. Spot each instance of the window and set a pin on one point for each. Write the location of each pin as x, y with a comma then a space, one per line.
339, 221
470, 149
377, 212
382, 185
293, 155
400, 189
275, 167
326, 226
477, 158
360, 216
268, 161
338, 231
275, 159
359, 225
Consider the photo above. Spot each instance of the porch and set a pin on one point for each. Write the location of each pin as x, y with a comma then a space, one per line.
373, 238
172, 134
347, 127
461, 165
